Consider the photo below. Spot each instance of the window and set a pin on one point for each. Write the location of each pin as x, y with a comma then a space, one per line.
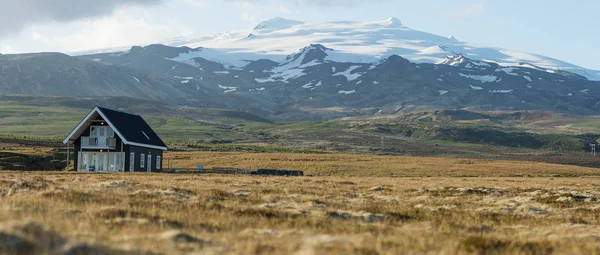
149, 166
158, 162
101, 131
132, 162
94, 132
142, 158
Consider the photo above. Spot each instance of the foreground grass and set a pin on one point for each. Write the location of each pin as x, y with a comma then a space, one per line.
177, 214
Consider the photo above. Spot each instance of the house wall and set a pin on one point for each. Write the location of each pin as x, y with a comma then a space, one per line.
86, 132
146, 151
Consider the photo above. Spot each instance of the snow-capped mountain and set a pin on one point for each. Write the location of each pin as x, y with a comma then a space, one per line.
290, 70
356, 42
311, 82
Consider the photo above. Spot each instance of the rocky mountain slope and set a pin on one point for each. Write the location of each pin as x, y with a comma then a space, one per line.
308, 84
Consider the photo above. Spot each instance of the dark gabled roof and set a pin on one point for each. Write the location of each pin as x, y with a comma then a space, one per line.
132, 127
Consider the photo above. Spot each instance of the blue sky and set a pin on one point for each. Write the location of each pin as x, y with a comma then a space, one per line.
560, 29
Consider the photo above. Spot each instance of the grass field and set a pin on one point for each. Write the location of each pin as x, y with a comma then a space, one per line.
352, 204
387, 186
360, 165
67, 213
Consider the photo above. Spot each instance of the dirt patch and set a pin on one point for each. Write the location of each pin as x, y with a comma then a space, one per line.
488, 245
33, 238
364, 216
184, 241
80, 197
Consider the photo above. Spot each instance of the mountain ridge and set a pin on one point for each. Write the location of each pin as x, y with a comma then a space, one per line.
313, 81
359, 42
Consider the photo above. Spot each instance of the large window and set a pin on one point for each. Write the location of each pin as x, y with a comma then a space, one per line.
142, 159
102, 161
101, 131
158, 162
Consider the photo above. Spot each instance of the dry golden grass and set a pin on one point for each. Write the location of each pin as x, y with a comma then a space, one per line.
70, 213
354, 204
375, 166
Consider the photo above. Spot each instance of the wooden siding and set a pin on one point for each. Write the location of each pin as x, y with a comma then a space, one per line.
138, 152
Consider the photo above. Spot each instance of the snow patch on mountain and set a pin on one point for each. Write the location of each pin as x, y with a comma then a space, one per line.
481, 78
227, 88
508, 70
286, 75
347, 92
476, 87
264, 80
501, 91
348, 73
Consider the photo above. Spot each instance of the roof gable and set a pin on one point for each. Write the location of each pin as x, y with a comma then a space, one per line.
132, 128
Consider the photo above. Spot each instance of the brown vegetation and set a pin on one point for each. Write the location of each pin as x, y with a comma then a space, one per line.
71, 213
375, 166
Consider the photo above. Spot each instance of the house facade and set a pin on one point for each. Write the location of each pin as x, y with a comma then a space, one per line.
108, 140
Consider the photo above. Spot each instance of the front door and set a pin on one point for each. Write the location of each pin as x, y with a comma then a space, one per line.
149, 163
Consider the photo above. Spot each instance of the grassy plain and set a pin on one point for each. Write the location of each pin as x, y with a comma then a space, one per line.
472, 197
361, 165
67, 213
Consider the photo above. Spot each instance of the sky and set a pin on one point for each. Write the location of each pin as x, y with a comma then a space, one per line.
565, 30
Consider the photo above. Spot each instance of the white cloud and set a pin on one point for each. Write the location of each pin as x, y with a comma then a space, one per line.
247, 9
284, 9
471, 10
17, 14
6, 49
123, 28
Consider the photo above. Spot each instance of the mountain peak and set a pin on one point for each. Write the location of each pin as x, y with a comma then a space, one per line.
454, 60
310, 53
393, 21
277, 23
319, 47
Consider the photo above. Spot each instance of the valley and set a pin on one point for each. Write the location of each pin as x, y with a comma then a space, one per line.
522, 135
